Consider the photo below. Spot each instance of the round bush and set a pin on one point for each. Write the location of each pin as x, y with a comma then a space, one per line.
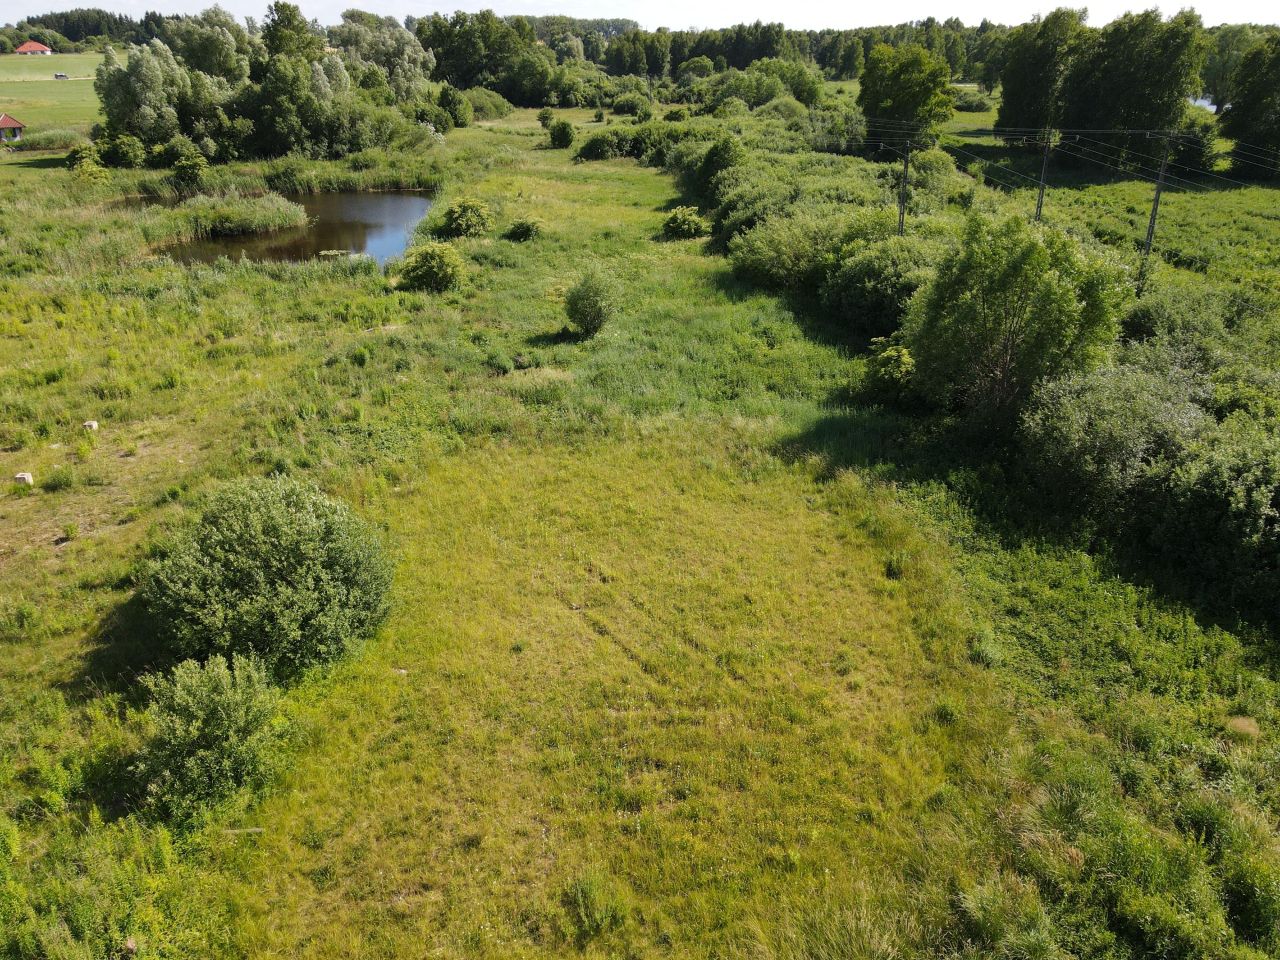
214, 729
631, 104
432, 266
562, 133
465, 217
85, 154
684, 223
273, 568
124, 151
592, 302
524, 229
868, 290
545, 116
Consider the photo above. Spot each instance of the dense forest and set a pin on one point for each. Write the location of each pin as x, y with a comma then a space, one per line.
796, 495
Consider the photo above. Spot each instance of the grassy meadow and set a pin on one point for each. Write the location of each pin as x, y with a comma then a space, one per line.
691, 654
29, 92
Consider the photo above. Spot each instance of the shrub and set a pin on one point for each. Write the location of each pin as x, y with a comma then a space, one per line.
785, 108
685, 223
545, 116
214, 729
524, 229
722, 155
788, 250
592, 302
272, 568
1094, 437
890, 367
599, 116
731, 107
465, 217
84, 154
438, 117
1011, 306
189, 171
676, 115
432, 266
456, 105
487, 104
970, 101
561, 132
124, 151
631, 104
58, 479
869, 287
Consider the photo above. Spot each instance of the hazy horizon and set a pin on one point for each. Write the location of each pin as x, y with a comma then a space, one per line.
665, 13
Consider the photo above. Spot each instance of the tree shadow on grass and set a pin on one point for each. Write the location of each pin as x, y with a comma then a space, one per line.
122, 649
555, 338
981, 467
42, 162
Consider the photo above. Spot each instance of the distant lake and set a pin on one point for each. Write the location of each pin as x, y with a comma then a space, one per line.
379, 225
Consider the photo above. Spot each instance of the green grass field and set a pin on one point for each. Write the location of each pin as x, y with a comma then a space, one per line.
680, 662
29, 92
77, 66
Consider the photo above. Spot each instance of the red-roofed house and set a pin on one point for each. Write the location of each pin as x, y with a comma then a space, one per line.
10, 129
33, 48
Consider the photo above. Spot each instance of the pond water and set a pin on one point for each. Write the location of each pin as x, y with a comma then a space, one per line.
377, 224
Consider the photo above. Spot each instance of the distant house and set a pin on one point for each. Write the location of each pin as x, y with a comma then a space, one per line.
33, 49
10, 129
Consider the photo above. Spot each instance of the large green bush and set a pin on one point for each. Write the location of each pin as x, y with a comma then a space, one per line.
465, 217
631, 104
272, 568
685, 223
789, 250
592, 301
488, 104
1095, 437
456, 104
561, 134
214, 729
1012, 305
433, 266
869, 286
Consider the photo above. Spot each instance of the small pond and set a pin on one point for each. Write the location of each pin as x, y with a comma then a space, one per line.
377, 224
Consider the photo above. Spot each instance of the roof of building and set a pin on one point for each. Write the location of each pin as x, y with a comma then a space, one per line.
31, 46
10, 123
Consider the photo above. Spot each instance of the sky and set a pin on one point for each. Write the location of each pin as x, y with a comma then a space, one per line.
799, 14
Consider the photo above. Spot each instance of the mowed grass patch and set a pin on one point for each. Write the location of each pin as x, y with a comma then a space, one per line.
50, 104
629, 666
77, 66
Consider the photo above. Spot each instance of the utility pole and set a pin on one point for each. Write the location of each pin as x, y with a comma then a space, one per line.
1155, 202
1155, 210
902, 190
1044, 170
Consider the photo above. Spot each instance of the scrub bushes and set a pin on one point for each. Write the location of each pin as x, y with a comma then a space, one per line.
214, 728
465, 217
432, 266
274, 569
592, 302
